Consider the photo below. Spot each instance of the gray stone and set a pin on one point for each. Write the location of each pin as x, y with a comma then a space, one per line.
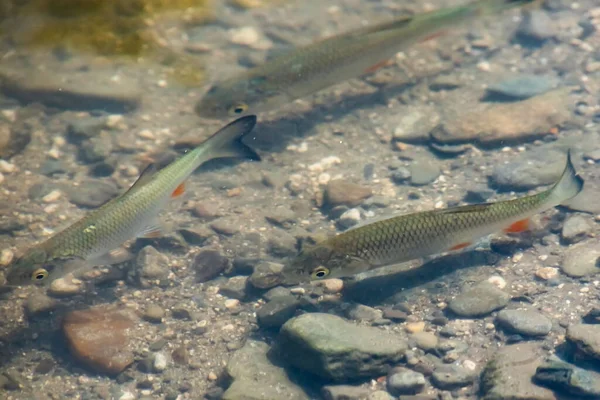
569, 378
449, 377
426, 341
400, 175
154, 313
281, 216
479, 300
423, 172
344, 392
341, 192
235, 287
150, 266
414, 123
361, 312
278, 291
524, 322
85, 128
39, 303
209, 264
225, 227
277, 312
523, 86
266, 275
91, 193
575, 229
530, 171
52, 166
349, 218
281, 244
586, 338
196, 236
96, 149
537, 25
581, 259
508, 375
478, 194
405, 381
380, 395
329, 346
255, 378
593, 155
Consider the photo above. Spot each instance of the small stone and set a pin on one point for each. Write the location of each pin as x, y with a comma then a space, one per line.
414, 123
414, 327
232, 304
91, 193
182, 311
160, 362
581, 259
330, 347
523, 86
281, 216
529, 171
341, 192
6, 257
249, 36
52, 196
225, 227
405, 381
382, 395
196, 236
575, 229
277, 312
546, 273
423, 173
180, 355
344, 392
449, 377
566, 377
400, 175
331, 286
65, 286
426, 341
266, 275
150, 266
349, 218
537, 26
527, 323
205, 211
361, 312
586, 338
39, 303
99, 338
282, 244
479, 300
209, 264
395, 315
235, 287
44, 366
154, 313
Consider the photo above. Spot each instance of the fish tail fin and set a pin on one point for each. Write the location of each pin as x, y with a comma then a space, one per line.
569, 185
227, 141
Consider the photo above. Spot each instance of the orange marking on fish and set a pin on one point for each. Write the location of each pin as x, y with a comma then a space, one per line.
460, 246
432, 36
519, 226
375, 67
178, 191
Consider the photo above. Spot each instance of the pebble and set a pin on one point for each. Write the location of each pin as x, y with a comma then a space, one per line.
266, 275
91, 193
232, 304
6, 257
277, 312
249, 36
160, 362
523, 86
405, 381
99, 338
225, 227
498, 122
423, 173
7, 167
52, 196
235, 287
65, 286
349, 218
154, 313
426, 341
13, 139
255, 377
282, 244
196, 235
341, 192
281, 216
581, 259
479, 300
415, 327
537, 26
449, 377
209, 264
529, 171
39, 303
361, 312
383, 395
205, 211
586, 338
524, 322
575, 229
344, 392
328, 346
331, 286
150, 266
413, 123
546, 273
497, 281
560, 375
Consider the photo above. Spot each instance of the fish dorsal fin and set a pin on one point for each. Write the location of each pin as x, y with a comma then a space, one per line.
145, 177
397, 23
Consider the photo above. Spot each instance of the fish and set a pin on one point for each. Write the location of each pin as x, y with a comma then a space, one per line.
308, 69
408, 237
94, 237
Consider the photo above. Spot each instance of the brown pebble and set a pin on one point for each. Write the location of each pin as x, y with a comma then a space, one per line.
415, 327
205, 211
341, 192
99, 338
180, 356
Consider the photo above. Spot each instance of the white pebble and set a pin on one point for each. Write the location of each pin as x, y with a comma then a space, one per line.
231, 304
6, 256
113, 120
470, 365
249, 36
127, 396
146, 134
50, 209
54, 153
66, 286
160, 362
59, 141
332, 285
324, 164
52, 196
10, 115
7, 167
497, 281
350, 217
298, 290
324, 178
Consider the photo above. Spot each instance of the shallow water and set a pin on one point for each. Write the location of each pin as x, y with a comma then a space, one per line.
483, 113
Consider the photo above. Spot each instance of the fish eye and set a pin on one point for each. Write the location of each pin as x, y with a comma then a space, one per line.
239, 108
320, 272
39, 275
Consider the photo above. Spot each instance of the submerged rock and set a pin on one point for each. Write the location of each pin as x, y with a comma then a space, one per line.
586, 338
341, 192
255, 378
331, 347
479, 300
524, 322
581, 259
99, 338
569, 378
529, 171
523, 86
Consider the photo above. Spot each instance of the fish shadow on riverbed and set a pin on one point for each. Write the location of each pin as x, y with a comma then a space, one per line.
376, 289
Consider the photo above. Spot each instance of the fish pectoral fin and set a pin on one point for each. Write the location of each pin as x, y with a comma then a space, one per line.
518, 226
